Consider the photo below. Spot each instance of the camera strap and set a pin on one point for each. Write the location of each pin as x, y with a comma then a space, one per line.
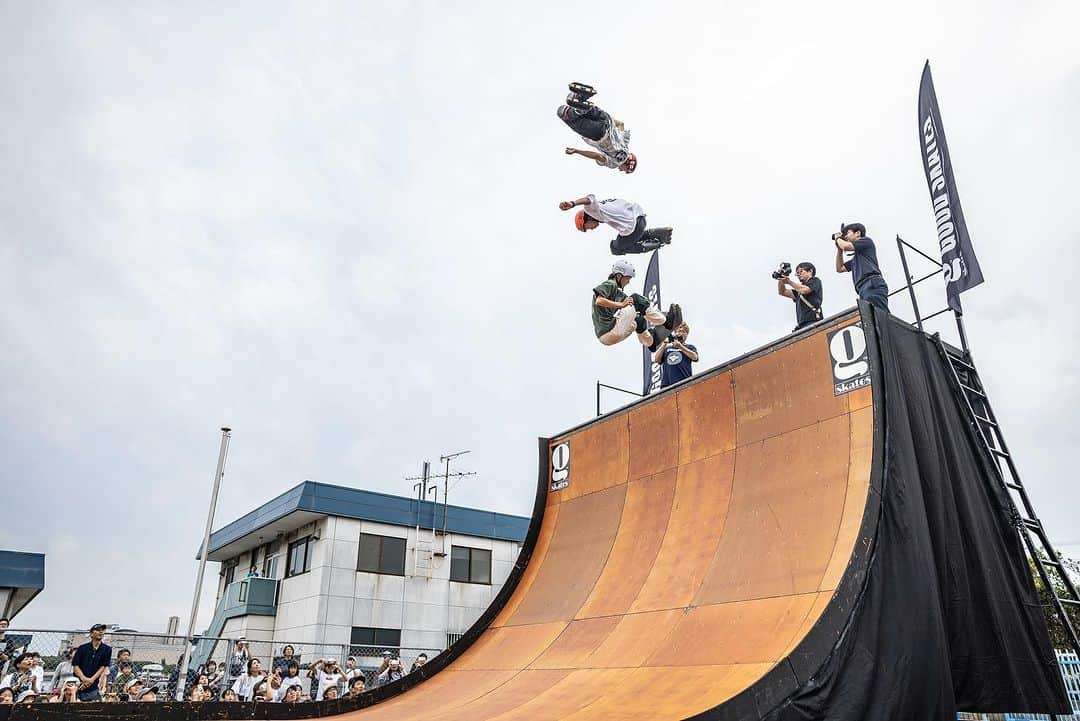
817, 310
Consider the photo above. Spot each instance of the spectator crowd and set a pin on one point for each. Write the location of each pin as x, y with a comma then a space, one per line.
90, 673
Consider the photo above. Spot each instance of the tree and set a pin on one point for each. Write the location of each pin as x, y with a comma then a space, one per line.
1058, 637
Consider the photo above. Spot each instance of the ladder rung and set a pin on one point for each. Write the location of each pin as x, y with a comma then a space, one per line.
999, 454
960, 362
1048, 562
987, 421
1014, 486
1032, 524
969, 389
1070, 601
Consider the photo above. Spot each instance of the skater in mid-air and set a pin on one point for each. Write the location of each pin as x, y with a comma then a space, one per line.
626, 217
616, 315
608, 135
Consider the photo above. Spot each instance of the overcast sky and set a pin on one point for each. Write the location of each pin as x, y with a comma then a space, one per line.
334, 228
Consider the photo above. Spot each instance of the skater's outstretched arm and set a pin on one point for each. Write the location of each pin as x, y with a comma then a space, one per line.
568, 204
598, 157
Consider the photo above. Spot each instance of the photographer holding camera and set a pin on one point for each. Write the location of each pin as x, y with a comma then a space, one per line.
863, 266
805, 291
674, 356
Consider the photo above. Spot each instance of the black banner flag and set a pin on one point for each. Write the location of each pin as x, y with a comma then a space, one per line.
957, 256
651, 371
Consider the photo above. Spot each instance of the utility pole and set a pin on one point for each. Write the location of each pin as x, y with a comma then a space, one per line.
223, 452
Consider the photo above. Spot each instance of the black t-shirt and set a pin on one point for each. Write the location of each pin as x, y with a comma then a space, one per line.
89, 659
864, 263
803, 314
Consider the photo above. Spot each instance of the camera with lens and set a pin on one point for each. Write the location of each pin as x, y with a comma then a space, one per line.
783, 271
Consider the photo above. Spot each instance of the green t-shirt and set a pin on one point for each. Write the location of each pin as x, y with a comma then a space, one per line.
603, 319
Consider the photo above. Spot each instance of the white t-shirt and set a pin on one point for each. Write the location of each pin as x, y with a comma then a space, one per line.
286, 682
245, 686
326, 680
620, 214
615, 145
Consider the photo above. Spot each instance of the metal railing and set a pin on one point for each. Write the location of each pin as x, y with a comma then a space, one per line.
156, 659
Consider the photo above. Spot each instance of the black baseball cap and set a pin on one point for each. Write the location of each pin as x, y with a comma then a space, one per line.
98, 627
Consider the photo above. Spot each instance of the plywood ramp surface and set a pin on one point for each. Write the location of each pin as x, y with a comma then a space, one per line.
701, 537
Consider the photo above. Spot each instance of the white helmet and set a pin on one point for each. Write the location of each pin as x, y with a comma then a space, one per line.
623, 267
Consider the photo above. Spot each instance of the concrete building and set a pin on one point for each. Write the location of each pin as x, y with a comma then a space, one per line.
345, 566
22, 576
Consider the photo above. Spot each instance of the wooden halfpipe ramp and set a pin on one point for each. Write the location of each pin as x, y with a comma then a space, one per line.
704, 549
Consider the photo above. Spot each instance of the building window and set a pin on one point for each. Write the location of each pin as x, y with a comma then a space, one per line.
470, 565
381, 554
270, 560
364, 638
230, 571
299, 557
452, 638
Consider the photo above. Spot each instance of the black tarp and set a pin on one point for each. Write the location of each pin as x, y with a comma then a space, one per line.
948, 619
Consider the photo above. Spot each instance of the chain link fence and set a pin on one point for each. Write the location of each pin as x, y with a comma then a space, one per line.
217, 663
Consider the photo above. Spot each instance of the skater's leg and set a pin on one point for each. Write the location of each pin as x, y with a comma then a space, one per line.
673, 317
659, 334
625, 325
591, 123
631, 243
661, 236
655, 317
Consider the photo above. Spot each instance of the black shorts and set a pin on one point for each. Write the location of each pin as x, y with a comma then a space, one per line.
592, 123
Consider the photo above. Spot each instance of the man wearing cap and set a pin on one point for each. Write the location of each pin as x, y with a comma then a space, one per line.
626, 217
27, 697
132, 687
91, 664
863, 266
393, 672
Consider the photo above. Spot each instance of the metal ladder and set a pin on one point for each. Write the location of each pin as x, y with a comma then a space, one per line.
424, 550
1029, 525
